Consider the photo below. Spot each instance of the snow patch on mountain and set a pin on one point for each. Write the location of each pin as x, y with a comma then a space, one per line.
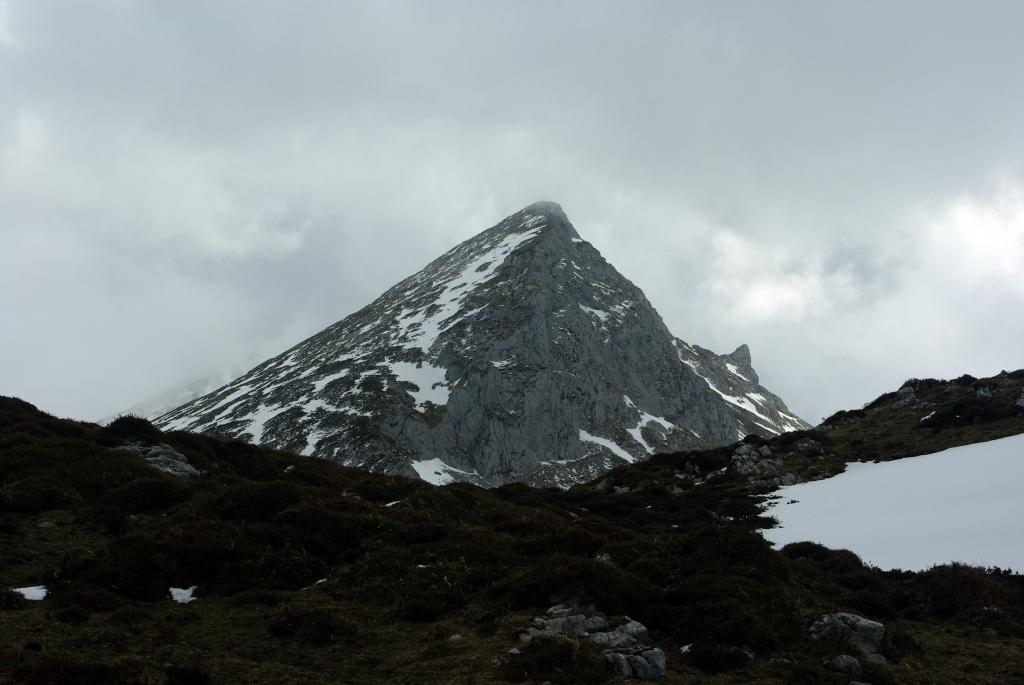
608, 445
735, 370
429, 381
420, 328
646, 419
436, 472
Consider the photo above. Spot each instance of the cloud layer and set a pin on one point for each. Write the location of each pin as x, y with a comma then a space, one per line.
182, 185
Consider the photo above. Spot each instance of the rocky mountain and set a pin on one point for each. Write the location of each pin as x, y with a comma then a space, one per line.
519, 355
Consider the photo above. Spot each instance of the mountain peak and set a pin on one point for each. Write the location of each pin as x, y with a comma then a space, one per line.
539, 217
546, 207
520, 354
741, 355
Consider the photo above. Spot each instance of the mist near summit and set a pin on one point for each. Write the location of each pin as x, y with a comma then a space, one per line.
840, 187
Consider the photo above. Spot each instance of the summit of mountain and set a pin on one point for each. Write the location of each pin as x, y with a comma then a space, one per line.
520, 355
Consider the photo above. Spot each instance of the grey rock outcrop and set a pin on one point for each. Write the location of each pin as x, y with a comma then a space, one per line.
162, 458
844, 663
623, 647
519, 355
864, 635
642, 664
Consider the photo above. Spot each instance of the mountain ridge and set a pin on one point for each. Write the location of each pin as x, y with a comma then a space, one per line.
520, 354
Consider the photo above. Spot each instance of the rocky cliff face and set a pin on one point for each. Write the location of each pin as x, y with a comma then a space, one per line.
519, 355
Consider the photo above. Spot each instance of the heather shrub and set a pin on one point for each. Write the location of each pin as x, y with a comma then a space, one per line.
187, 675
327, 533
257, 501
565, 578
317, 627
148, 494
954, 589
717, 658
129, 427
36, 494
556, 660
10, 599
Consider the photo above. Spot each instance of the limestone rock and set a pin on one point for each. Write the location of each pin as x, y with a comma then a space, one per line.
162, 458
861, 633
520, 355
622, 647
845, 664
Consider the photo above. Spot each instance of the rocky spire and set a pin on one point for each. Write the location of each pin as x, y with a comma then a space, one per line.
741, 355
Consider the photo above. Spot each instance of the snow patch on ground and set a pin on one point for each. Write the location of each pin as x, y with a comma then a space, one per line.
436, 472
183, 595
607, 444
962, 504
34, 593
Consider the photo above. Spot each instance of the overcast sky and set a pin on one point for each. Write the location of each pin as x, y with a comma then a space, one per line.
184, 185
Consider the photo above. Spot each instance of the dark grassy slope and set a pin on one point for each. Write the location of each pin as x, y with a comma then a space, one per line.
108, 534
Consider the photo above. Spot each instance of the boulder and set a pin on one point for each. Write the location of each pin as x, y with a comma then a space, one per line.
618, 664
906, 395
641, 663
845, 663
863, 634
744, 450
808, 446
614, 640
656, 658
641, 668
559, 610
634, 629
163, 458
622, 648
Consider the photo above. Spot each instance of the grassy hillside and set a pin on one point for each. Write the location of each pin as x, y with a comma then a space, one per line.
310, 572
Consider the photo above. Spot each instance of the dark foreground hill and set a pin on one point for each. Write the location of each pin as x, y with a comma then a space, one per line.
307, 571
